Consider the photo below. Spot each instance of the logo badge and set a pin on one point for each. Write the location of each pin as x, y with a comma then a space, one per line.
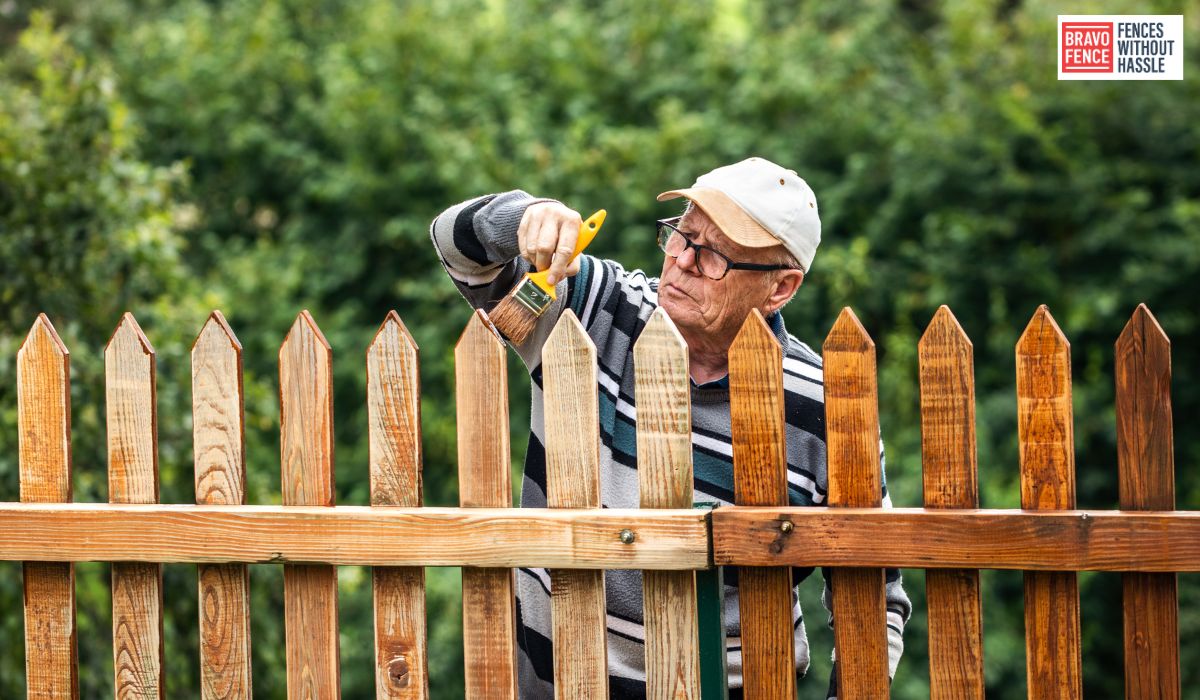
1120, 47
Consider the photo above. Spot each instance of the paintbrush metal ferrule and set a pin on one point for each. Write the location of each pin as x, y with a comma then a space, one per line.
532, 297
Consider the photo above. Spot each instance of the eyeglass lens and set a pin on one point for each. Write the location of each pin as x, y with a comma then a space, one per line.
710, 264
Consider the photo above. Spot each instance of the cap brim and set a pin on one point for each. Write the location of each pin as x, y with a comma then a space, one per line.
733, 221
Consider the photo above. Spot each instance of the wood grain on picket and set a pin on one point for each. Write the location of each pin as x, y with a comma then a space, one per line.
947, 374
662, 390
1046, 436
44, 454
218, 431
760, 479
484, 477
1146, 463
306, 452
855, 480
573, 481
129, 378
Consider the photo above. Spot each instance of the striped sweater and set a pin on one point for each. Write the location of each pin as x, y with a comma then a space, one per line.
477, 243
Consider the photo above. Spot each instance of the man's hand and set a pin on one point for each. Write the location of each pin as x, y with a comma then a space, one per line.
547, 237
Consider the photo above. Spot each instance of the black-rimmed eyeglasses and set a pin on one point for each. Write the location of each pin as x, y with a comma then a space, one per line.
712, 264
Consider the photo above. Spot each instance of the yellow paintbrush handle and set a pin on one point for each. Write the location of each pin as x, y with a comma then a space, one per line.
587, 231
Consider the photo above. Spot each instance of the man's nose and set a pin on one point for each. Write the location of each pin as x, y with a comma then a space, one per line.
687, 260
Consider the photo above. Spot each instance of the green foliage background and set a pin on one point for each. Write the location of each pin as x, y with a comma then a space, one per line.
264, 156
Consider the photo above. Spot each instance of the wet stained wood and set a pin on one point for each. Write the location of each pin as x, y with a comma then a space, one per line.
664, 445
760, 479
306, 452
1046, 437
573, 481
1146, 464
855, 479
947, 375
484, 477
394, 436
44, 455
916, 538
218, 432
129, 374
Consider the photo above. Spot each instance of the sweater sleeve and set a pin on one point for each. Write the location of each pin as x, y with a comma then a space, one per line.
476, 241
899, 608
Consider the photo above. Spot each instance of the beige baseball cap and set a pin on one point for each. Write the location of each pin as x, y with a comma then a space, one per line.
759, 204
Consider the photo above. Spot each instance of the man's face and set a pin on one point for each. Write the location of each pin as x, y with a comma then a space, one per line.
703, 307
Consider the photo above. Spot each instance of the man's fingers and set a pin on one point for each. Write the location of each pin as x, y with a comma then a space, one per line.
568, 234
545, 244
523, 232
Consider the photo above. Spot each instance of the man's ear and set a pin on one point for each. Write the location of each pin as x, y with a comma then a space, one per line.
784, 287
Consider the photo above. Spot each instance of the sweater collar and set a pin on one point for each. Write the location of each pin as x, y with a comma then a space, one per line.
719, 388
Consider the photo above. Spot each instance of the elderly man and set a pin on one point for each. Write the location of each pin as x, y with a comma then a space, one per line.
745, 241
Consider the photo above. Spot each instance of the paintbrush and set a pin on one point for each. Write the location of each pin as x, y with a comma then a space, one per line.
517, 313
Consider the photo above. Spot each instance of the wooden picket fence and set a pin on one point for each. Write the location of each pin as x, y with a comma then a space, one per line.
679, 547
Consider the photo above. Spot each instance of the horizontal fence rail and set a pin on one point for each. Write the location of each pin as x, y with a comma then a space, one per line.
357, 535
575, 538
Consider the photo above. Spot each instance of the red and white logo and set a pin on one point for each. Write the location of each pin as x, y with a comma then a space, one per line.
1087, 47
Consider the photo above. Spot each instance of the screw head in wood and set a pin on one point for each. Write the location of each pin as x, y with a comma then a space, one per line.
627, 536
786, 526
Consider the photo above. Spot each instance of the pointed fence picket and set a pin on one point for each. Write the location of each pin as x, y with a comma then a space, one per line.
394, 435
947, 374
579, 619
218, 430
129, 363
489, 613
1047, 443
1146, 462
664, 446
306, 450
576, 538
760, 479
44, 447
855, 480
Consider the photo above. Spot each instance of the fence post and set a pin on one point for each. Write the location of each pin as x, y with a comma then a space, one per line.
484, 479
218, 432
760, 479
950, 480
306, 451
44, 449
855, 480
1046, 436
133, 478
662, 389
580, 621
1145, 454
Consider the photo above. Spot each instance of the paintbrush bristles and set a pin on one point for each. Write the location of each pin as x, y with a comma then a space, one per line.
513, 319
